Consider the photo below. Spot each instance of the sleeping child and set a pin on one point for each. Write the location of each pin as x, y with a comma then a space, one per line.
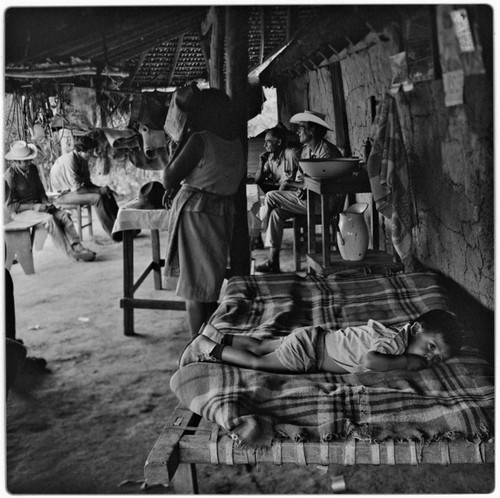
430, 339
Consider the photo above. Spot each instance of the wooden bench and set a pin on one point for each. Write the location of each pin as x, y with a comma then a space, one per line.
19, 238
189, 439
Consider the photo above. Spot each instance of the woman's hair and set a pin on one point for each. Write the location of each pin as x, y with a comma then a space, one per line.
444, 323
213, 111
85, 143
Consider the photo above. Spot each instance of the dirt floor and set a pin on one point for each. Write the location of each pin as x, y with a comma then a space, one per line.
86, 426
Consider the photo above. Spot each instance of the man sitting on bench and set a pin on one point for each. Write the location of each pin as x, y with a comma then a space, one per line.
70, 176
27, 201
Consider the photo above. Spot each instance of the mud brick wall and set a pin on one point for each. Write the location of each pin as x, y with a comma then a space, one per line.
452, 178
450, 152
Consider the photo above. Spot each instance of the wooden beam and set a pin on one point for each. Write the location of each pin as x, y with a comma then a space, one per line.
237, 88
138, 66
69, 72
175, 59
262, 34
215, 25
288, 23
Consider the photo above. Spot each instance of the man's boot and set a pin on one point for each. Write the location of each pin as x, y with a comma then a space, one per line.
272, 265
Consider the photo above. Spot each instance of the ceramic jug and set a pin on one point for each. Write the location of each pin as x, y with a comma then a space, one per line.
352, 233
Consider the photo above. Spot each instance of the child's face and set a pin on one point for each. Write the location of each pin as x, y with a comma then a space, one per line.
427, 344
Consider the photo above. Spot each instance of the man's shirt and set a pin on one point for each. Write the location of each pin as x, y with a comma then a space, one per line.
70, 172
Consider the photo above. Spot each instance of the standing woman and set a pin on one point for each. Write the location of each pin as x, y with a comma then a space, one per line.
28, 201
208, 169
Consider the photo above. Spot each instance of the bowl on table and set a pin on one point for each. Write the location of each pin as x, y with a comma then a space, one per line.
329, 168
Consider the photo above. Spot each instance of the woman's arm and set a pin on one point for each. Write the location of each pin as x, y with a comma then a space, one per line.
184, 163
383, 362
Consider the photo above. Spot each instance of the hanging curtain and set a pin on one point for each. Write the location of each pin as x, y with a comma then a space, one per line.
388, 171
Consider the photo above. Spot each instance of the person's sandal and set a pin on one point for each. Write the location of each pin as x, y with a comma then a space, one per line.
189, 356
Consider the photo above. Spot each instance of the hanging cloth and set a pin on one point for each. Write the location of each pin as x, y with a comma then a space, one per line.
388, 172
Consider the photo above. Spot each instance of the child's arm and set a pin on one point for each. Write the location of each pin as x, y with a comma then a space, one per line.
383, 362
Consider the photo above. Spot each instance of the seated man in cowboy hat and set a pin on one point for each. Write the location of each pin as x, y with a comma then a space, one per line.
289, 200
26, 201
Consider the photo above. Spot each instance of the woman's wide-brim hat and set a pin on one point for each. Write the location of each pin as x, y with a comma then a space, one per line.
21, 151
310, 117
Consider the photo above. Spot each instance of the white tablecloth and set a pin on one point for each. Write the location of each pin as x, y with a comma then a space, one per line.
131, 219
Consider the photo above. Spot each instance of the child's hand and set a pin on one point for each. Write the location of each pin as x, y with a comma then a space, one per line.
415, 362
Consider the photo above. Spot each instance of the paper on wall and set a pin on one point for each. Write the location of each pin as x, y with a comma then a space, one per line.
453, 82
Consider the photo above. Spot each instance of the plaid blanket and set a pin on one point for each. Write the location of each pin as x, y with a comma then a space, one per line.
455, 399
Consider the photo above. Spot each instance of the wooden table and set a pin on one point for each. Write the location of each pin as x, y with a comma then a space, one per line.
328, 261
155, 220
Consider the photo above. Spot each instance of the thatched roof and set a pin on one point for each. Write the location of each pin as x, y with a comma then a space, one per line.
143, 46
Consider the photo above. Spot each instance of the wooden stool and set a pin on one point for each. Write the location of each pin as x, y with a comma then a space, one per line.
19, 237
81, 223
299, 225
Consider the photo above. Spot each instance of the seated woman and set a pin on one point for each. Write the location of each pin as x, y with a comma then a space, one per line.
26, 200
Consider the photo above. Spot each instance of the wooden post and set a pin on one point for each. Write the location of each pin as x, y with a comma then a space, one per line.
213, 30
237, 89
262, 34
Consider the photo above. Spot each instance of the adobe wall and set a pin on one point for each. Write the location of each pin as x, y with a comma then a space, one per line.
450, 153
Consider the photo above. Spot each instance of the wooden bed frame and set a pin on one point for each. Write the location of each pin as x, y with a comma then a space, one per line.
189, 439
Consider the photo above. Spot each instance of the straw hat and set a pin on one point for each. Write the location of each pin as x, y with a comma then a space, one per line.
311, 117
21, 151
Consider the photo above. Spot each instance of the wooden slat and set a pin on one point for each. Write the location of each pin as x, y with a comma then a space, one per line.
153, 304
175, 59
163, 459
194, 450
374, 262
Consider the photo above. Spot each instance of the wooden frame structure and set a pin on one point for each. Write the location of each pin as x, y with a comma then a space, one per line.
188, 439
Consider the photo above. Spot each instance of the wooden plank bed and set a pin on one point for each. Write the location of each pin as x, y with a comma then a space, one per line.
229, 415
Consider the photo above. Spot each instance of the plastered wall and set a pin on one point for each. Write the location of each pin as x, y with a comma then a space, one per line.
450, 151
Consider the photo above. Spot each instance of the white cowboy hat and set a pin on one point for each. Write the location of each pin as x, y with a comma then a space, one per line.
21, 151
311, 117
